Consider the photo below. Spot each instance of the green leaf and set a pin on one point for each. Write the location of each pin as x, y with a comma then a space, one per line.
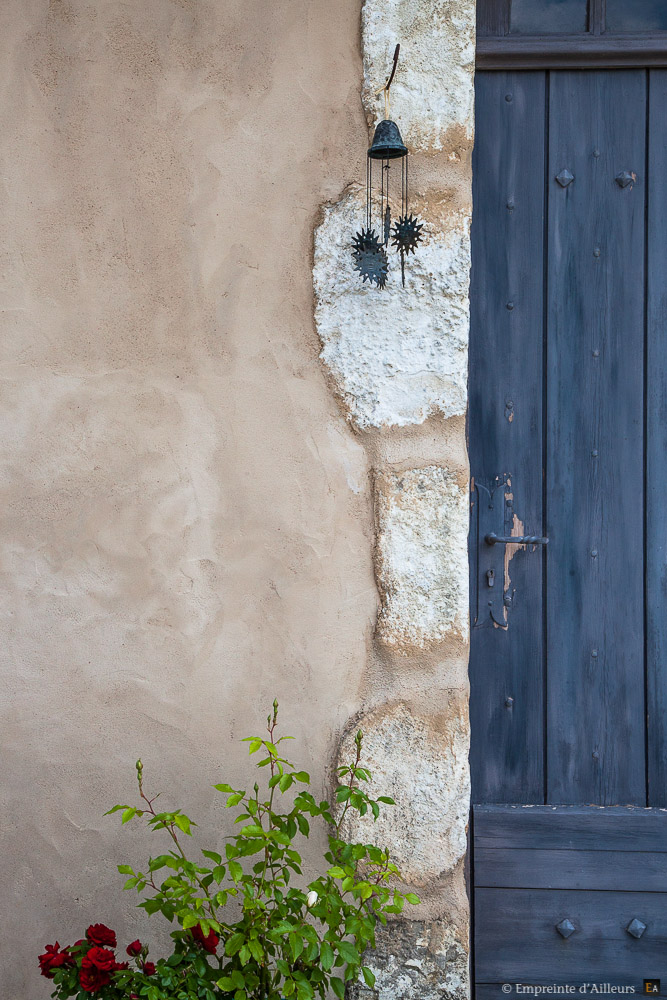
387, 799
234, 943
343, 793
326, 956
336, 872
235, 871
225, 984
302, 823
126, 869
183, 823
234, 799
213, 856
286, 782
412, 898
338, 986
254, 746
253, 830
256, 949
302, 776
296, 945
369, 977
224, 787
189, 920
128, 814
348, 952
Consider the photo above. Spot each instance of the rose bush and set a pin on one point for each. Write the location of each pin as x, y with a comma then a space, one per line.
285, 940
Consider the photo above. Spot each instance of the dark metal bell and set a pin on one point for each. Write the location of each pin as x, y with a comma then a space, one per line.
387, 142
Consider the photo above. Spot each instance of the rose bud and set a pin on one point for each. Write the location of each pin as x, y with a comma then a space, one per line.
134, 948
311, 898
149, 969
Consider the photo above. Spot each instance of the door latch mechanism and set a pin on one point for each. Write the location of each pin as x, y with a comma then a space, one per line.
496, 533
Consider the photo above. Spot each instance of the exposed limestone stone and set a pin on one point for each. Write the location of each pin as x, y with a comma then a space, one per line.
423, 765
433, 88
422, 562
396, 355
416, 960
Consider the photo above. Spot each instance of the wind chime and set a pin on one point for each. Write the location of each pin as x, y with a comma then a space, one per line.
370, 246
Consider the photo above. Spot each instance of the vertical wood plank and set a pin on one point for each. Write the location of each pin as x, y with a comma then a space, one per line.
656, 443
505, 423
493, 17
595, 691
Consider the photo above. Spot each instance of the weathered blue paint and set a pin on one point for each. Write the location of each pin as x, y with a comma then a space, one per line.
568, 404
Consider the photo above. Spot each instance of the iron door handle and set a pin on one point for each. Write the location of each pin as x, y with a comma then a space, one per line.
493, 539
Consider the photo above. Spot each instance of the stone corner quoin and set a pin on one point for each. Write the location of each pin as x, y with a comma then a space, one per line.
399, 355
396, 355
395, 358
421, 560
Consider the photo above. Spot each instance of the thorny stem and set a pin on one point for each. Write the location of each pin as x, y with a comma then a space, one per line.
169, 827
350, 783
271, 725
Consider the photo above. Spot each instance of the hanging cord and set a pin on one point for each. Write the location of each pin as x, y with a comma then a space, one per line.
385, 90
369, 188
382, 199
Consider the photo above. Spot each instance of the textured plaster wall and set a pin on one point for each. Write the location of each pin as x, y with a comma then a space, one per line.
397, 363
187, 523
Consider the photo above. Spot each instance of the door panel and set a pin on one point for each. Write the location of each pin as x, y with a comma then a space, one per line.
522, 945
656, 453
594, 460
568, 413
505, 425
598, 868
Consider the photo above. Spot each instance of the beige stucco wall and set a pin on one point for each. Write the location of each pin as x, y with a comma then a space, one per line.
217, 487
186, 515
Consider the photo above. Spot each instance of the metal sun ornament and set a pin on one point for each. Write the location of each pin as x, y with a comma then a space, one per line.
370, 247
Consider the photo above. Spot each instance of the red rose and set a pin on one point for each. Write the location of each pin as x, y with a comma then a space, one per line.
91, 977
101, 958
52, 959
209, 943
149, 969
121, 966
101, 934
134, 948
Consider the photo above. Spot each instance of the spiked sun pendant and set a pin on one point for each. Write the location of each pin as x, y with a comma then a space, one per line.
406, 234
370, 257
405, 237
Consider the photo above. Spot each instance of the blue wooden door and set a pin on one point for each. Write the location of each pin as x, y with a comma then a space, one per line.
568, 442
